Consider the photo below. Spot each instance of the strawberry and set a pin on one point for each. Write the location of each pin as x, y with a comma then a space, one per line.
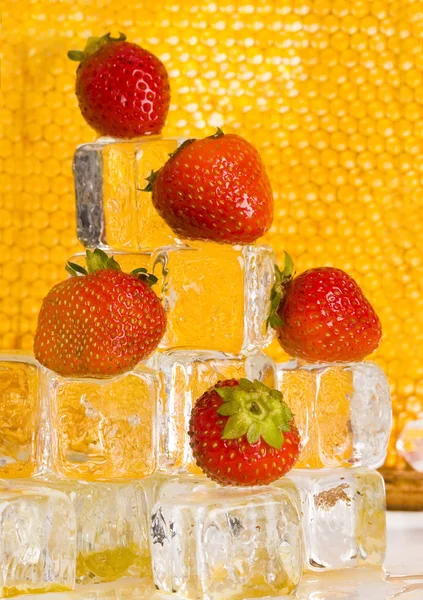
215, 189
323, 316
101, 323
243, 433
122, 89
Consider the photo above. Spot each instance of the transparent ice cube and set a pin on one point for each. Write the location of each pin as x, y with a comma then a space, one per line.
112, 529
184, 376
343, 412
111, 207
344, 520
217, 296
37, 541
226, 543
410, 443
104, 429
20, 414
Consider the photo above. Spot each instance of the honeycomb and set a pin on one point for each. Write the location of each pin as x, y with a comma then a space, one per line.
330, 91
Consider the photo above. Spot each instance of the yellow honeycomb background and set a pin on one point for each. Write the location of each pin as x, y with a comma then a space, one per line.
331, 91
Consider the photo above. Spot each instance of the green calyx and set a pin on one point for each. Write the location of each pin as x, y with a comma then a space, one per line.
99, 260
94, 44
256, 411
282, 279
151, 179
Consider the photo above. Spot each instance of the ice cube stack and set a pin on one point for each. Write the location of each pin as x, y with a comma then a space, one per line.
99, 480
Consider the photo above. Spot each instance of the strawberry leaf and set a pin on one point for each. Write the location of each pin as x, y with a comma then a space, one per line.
76, 55
272, 434
288, 267
254, 433
246, 384
112, 264
236, 426
151, 179
229, 408
96, 260
73, 269
282, 280
145, 276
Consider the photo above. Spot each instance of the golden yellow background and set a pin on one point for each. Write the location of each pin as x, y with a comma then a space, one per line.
331, 91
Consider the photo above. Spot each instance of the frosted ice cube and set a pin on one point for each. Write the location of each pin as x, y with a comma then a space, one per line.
410, 443
37, 541
344, 520
225, 543
343, 412
111, 208
20, 414
217, 296
184, 377
104, 429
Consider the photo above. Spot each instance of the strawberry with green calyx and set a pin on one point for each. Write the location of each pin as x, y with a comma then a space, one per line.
99, 322
323, 316
123, 90
216, 189
242, 433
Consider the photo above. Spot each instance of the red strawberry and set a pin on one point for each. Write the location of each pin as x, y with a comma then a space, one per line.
122, 89
214, 189
243, 433
102, 323
323, 316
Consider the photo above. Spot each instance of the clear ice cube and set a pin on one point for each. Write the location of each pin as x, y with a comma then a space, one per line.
217, 296
37, 541
410, 443
20, 414
184, 376
112, 529
226, 543
104, 429
343, 412
344, 519
112, 210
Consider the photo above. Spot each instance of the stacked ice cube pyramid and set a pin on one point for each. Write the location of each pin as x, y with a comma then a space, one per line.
98, 477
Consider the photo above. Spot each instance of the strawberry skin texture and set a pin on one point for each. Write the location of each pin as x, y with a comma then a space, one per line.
327, 318
123, 91
100, 324
236, 462
215, 189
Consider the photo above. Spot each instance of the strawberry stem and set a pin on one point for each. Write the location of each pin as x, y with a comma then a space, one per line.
216, 135
256, 411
